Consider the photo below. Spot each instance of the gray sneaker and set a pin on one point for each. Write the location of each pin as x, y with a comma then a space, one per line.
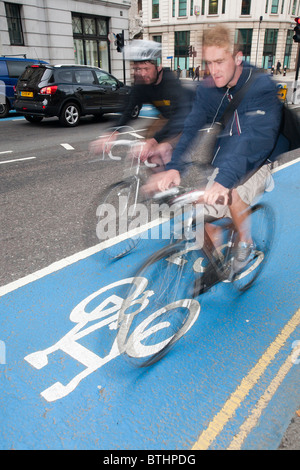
243, 255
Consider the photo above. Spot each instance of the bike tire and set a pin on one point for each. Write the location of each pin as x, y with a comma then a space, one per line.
167, 308
263, 231
120, 203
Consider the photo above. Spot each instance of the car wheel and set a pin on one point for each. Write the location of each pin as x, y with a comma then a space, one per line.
33, 119
70, 115
4, 110
135, 112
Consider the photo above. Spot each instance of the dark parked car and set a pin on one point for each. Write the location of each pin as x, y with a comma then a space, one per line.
68, 92
10, 70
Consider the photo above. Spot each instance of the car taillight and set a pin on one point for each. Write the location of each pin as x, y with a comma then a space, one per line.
48, 90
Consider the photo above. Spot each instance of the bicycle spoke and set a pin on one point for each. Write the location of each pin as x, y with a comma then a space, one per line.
147, 335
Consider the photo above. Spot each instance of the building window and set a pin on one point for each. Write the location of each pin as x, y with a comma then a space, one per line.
213, 7
182, 8
192, 8
243, 38
181, 53
158, 38
203, 8
282, 6
13, 15
173, 8
294, 7
90, 41
267, 6
223, 6
274, 7
269, 51
288, 49
155, 9
246, 7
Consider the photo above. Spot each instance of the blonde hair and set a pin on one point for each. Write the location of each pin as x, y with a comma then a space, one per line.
220, 36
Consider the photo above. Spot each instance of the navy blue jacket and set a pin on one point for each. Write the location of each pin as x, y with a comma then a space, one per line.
248, 138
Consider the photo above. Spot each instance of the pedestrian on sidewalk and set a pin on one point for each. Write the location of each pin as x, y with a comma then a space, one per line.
278, 68
197, 73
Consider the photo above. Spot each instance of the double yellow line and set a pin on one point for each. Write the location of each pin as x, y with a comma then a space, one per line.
238, 396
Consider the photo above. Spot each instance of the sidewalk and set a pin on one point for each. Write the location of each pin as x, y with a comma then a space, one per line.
289, 77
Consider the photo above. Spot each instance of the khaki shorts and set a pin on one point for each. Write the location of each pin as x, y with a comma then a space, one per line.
251, 189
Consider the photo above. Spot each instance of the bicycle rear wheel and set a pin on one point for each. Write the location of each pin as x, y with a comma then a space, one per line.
166, 309
262, 223
116, 211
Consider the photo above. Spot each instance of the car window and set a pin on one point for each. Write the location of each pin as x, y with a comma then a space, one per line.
105, 79
84, 76
16, 67
34, 75
64, 76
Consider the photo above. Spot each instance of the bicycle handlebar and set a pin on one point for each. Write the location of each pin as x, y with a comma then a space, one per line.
178, 196
129, 144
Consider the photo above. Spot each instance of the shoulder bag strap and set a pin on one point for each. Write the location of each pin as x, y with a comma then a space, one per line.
235, 102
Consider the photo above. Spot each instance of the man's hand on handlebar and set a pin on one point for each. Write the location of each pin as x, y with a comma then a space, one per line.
217, 194
103, 144
162, 181
148, 149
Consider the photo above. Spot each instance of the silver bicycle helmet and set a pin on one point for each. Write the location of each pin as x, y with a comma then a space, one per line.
140, 50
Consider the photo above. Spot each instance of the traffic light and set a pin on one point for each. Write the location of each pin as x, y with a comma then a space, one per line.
190, 51
120, 41
296, 36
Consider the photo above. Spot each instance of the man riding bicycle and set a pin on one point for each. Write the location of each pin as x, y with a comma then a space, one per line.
244, 145
157, 86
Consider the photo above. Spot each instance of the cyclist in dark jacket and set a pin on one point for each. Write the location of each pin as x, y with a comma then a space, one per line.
157, 86
172, 100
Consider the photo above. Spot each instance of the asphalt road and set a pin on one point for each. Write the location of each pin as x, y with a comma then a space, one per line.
46, 188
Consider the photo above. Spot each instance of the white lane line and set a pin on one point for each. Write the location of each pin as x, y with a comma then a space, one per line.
58, 265
6, 151
17, 160
67, 146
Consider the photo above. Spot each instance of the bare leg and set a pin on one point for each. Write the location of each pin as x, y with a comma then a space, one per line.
240, 216
215, 234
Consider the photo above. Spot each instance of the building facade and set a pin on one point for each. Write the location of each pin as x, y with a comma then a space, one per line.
263, 29
68, 31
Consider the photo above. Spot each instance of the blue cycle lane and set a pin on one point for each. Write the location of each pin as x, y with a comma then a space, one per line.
233, 381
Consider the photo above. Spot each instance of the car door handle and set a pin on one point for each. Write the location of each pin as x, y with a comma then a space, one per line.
79, 88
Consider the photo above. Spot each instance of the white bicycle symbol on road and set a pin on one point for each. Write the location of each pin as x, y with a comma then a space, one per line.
107, 313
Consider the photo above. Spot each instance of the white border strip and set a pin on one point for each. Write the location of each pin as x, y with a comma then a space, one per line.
285, 165
57, 265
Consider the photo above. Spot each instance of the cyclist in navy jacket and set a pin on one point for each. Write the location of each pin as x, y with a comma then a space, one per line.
248, 139
243, 146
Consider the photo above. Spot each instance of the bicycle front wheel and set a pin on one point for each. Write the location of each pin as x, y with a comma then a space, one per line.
262, 223
150, 323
